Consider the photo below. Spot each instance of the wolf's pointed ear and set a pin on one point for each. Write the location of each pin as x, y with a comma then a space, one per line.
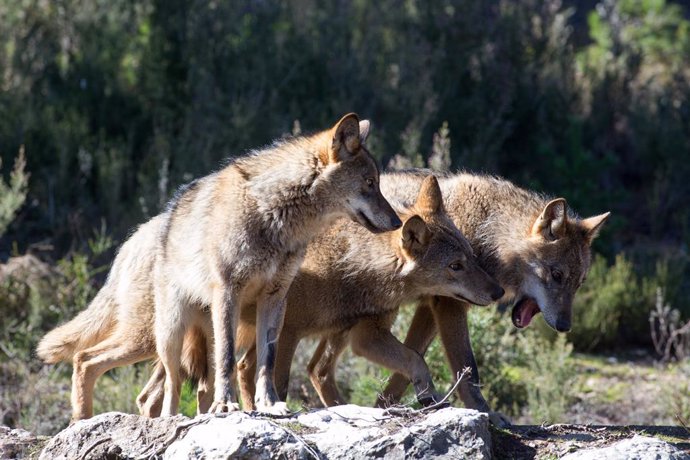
415, 236
346, 140
553, 220
592, 225
429, 198
364, 127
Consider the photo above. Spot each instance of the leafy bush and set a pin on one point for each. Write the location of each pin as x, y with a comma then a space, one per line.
676, 398
13, 194
612, 307
522, 372
608, 295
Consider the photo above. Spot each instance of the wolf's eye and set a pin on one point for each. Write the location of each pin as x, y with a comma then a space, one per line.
557, 275
370, 182
456, 266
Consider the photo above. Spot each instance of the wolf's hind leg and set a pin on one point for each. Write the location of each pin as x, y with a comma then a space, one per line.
321, 368
150, 399
246, 370
91, 363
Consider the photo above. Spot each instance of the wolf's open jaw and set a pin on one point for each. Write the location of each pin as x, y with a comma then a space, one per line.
523, 312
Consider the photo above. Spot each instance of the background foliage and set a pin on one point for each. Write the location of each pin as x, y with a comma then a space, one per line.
116, 103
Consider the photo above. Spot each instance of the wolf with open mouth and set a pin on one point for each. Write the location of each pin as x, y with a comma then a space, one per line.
537, 248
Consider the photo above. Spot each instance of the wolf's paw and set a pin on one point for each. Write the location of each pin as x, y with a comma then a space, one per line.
278, 408
221, 407
499, 420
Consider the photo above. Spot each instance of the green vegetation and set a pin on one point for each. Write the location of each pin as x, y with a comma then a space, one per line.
13, 194
117, 103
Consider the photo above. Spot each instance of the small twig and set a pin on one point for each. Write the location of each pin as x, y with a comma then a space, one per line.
95, 444
450, 392
256, 413
314, 453
404, 410
347, 419
6, 351
682, 422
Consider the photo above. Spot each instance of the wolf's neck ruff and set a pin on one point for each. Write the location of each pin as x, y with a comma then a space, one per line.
289, 185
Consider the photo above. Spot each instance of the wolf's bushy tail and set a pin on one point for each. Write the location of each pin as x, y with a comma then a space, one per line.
85, 330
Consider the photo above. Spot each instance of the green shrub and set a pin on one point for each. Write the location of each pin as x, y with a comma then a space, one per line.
522, 372
13, 194
676, 396
612, 307
607, 295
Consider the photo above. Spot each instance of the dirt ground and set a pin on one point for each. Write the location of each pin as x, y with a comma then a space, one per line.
630, 389
616, 397
554, 441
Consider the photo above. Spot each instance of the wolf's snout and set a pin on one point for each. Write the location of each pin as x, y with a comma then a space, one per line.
396, 223
562, 325
497, 293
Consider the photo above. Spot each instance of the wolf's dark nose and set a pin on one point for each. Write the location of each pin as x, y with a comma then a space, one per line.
396, 222
562, 325
497, 293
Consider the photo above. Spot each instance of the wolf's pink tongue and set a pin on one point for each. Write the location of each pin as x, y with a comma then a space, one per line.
527, 312
524, 312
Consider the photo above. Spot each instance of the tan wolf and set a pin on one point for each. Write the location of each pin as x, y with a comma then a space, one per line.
537, 249
232, 238
350, 286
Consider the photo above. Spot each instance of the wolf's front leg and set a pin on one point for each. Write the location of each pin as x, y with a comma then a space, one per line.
224, 316
373, 339
451, 321
269, 321
420, 335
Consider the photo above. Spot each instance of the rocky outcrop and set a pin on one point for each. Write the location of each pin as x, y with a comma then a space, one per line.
334, 433
17, 443
636, 448
343, 432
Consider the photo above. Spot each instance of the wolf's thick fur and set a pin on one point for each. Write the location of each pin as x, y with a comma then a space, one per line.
351, 285
349, 289
536, 248
105, 335
231, 238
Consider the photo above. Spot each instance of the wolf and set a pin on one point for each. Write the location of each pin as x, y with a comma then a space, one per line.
349, 288
232, 238
536, 247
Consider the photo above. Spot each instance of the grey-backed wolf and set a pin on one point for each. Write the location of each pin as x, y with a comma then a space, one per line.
537, 249
233, 238
350, 286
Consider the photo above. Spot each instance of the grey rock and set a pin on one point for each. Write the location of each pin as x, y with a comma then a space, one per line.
18, 443
335, 433
111, 435
635, 448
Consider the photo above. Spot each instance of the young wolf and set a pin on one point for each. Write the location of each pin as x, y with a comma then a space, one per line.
537, 249
350, 286
231, 238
